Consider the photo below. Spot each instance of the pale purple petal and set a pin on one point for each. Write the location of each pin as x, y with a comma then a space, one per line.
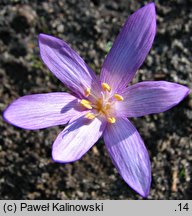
42, 110
130, 48
67, 65
151, 97
76, 139
129, 155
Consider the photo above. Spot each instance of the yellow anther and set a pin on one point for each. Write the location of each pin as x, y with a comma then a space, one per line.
118, 97
107, 106
87, 92
105, 87
90, 116
111, 120
86, 103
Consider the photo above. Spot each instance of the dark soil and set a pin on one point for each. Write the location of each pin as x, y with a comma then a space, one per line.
89, 26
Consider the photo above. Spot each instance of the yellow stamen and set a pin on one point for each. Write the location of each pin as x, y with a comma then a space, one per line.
90, 116
118, 97
86, 103
87, 92
111, 120
107, 106
105, 87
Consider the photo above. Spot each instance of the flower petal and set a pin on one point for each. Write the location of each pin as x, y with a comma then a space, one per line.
129, 155
42, 110
76, 139
130, 48
67, 65
151, 97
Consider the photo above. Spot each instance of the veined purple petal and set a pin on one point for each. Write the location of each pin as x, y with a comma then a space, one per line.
67, 65
151, 97
129, 155
76, 139
42, 110
130, 48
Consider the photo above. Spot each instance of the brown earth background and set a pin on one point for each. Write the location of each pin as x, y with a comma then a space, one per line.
90, 26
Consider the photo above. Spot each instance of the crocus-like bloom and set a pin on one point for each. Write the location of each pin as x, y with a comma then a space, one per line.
101, 106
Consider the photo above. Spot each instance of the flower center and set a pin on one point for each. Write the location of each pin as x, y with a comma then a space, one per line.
103, 106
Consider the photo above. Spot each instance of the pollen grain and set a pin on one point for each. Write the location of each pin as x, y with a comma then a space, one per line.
87, 92
90, 116
118, 97
111, 120
86, 103
106, 87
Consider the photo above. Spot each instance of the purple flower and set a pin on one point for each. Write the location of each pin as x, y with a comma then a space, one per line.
101, 106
